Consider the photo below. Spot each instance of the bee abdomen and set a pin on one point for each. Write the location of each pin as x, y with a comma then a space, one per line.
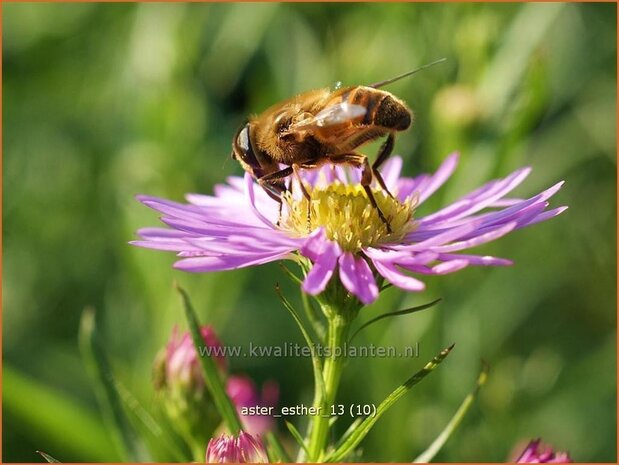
392, 114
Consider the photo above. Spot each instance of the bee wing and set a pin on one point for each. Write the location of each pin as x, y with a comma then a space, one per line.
330, 116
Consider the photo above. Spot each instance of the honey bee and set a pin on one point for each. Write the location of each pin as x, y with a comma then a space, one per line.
323, 126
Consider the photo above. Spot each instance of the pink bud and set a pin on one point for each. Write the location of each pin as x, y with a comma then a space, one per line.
242, 449
182, 363
536, 453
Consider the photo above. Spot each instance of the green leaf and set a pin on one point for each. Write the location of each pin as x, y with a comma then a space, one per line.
355, 438
62, 421
397, 313
297, 436
427, 455
214, 383
47, 457
275, 449
109, 399
316, 362
353, 426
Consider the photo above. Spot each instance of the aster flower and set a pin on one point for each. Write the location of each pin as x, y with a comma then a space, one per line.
244, 448
536, 453
243, 393
241, 226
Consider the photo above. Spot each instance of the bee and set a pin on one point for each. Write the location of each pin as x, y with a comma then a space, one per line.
323, 126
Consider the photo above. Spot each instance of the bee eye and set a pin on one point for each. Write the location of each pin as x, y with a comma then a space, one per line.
243, 139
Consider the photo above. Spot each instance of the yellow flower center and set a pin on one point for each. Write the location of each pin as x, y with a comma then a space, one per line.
348, 217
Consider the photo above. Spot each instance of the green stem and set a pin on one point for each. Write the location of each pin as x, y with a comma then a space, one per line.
336, 338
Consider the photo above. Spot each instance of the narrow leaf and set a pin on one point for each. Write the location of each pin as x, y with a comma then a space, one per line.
290, 274
310, 311
316, 362
313, 316
397, 313
47, 457
355, 438
353, 426
213, 380
427, 455
297, 436
276, 450
109, 399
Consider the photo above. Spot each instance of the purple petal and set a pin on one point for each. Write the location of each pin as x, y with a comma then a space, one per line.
505, 202
421, 258
173, 246
475, 241
514, 212
395, 277
357, 277
439, 177
441, 238
266, 236
215, 246
407, 186
251, 195
169, 207
320, 274
483, 197
450, 266
155, 234
546, 215
314, 244
202, 264
390, 171
395, 256
484, 260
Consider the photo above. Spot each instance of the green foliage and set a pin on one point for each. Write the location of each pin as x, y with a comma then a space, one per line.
104, 101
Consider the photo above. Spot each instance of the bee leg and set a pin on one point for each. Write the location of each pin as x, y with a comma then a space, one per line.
383, 153
361, 161
274, 185
366, 180
308, 197
275, 195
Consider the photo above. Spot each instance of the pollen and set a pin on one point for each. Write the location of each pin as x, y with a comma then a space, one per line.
348, 217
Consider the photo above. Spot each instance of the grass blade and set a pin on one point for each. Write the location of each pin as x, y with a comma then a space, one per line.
109, 398
355, 438
427, 455
214, 383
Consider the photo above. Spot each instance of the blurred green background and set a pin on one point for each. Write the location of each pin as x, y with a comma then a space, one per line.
104, 101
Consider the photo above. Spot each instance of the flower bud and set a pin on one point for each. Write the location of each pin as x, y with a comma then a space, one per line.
244, 448
244, 393
181, 387
182, 364
536, 453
